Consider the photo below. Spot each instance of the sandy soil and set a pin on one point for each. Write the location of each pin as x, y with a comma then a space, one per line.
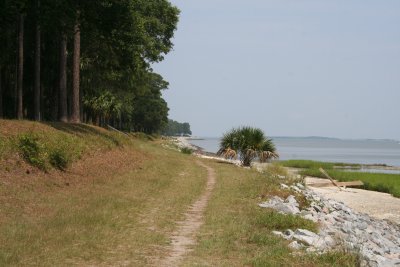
376, 204
185, 236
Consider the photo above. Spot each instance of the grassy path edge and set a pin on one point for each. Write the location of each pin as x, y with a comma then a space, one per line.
184, 236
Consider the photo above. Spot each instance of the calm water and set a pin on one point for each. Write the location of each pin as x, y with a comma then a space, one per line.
328, 149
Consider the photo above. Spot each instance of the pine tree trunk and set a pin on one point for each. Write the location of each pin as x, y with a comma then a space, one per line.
1, 93
36, 91
55, 99
75, 116
63, 105
20, 67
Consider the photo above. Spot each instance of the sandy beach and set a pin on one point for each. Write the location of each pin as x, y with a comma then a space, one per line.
376, 204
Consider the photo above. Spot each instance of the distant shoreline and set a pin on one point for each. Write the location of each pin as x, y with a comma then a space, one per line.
371, 154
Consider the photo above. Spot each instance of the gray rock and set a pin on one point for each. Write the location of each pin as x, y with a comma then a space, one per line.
299, 185
329, 241
295, 245
288, 232
305, 236
278, 233
295, 188
377, 241
278, 204
283, 186
292, 200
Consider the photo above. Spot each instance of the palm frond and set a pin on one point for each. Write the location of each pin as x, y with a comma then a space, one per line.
248, 143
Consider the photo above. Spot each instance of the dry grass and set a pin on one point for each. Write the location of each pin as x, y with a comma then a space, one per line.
120, 202
238, 233
113, 207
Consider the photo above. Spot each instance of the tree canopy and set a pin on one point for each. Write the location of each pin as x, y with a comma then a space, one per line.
176, 128
86, 61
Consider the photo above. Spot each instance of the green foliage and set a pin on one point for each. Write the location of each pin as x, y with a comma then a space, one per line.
249, 144
174, 128
150, 113
106, 104
186, 150
60, 145
119, 42
59, 159
31, 150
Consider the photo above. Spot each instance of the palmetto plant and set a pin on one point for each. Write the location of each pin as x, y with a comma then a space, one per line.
247, 143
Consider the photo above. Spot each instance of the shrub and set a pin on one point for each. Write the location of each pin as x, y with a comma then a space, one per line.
59, 159
186, 150
31, 150
248, 143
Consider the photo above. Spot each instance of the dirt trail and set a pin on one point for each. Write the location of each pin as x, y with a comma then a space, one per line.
185, 236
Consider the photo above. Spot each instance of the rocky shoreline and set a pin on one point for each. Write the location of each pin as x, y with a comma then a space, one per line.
377, 241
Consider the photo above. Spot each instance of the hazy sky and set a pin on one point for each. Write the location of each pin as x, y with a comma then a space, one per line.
291, 67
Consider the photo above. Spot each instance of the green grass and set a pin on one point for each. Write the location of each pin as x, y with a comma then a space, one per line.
310, 164
381, 182
238, 233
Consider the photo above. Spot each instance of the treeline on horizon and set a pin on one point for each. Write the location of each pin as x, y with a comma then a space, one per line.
174, 128
85, 61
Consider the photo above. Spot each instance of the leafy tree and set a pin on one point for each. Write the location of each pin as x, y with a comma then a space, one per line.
150, 113
110, 43
176, 128
248, 143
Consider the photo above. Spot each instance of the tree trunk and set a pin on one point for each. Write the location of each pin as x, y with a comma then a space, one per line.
63, 105
36, 91
20, 78
1, 94
55, 99
75, 114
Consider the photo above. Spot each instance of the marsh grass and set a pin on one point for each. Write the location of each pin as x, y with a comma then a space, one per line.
310, 164
381, 182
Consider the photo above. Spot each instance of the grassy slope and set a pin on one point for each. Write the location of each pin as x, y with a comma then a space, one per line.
97, 213
118, 204
381, 182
